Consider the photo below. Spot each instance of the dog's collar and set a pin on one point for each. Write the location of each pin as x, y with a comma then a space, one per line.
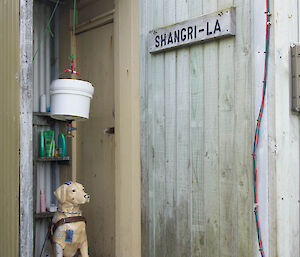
69, 212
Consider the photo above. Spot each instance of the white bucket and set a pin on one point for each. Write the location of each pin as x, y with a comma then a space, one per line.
70, 99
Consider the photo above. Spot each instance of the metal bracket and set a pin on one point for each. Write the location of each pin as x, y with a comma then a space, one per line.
69, 129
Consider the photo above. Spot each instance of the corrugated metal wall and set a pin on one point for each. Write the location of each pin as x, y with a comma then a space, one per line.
9, 127
196, 142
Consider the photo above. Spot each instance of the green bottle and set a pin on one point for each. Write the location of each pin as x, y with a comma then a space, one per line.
49, 143
42, 144
61, 145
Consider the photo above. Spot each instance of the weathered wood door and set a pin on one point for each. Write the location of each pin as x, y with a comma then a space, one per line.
95, 149
196, 125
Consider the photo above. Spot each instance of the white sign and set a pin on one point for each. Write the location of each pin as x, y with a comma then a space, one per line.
197, 30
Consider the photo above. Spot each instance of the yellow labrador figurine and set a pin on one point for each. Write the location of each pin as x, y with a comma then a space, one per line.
68, 228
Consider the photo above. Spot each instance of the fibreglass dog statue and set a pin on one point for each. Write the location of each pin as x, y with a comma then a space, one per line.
68, 227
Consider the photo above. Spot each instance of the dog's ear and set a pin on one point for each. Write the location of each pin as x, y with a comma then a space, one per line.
60, 193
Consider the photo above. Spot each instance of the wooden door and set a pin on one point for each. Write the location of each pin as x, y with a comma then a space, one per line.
95, 149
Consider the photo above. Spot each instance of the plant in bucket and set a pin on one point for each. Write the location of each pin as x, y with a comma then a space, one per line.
70, 97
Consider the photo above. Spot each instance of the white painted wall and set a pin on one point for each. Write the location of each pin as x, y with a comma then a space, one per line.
278, 151
283, 134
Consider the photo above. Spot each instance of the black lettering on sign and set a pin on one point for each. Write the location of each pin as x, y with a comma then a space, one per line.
170, 39
217, 26
196, 30
157, 41
190, 33
163, 39
183, 36
176, 36
207, 29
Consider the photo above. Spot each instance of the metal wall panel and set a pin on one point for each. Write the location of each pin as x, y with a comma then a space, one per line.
9, 127
196, 137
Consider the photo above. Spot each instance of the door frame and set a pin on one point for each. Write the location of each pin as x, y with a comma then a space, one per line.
127, 129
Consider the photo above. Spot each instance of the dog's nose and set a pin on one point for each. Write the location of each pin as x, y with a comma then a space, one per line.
86, 196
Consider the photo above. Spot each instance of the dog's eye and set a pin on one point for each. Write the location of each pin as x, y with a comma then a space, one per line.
74, 190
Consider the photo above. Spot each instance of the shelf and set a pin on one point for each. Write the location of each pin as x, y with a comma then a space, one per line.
53, 159
42, 114
44, 215
42, 119
45, 119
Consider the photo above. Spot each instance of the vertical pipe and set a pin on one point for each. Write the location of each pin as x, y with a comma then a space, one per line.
37, 58
42, 51
35, 68
47, 61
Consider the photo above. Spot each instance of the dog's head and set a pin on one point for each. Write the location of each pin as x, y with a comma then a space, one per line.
71, 192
